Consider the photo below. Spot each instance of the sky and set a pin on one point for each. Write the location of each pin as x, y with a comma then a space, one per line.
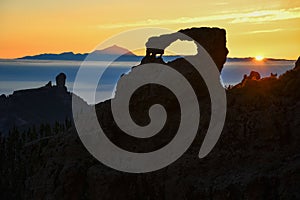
256, 27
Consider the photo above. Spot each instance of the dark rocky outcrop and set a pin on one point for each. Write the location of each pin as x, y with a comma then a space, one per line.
25, 108
61, 80
213, 40
253, 76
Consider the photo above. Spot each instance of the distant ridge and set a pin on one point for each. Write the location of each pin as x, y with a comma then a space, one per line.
109, 53
61, 56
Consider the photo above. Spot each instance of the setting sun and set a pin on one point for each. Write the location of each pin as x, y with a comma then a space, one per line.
259, 58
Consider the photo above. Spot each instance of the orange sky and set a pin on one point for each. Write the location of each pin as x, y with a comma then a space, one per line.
256, 27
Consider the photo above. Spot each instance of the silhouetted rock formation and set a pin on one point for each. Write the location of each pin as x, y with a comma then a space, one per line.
61, 80
25, 108
48, 85
212, 39
150, 94
273, 75
151, 56
253, 76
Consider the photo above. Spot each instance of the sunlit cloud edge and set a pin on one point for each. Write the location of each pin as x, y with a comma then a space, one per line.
234, 18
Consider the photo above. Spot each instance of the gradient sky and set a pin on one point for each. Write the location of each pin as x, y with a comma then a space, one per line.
256, 27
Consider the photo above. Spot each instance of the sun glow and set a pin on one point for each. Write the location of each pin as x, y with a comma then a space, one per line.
259, 58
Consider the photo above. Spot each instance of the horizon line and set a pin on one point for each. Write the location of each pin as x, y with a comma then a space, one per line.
165, 55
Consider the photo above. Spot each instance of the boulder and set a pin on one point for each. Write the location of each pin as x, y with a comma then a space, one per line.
61, 80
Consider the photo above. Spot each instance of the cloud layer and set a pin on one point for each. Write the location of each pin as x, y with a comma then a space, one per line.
261, 16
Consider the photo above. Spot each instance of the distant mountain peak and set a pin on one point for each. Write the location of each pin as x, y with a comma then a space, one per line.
115, 50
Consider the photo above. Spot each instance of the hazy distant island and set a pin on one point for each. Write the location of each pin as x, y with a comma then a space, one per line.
102, 55
257, 156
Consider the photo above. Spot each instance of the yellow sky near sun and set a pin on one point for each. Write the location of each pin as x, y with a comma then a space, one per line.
256, 27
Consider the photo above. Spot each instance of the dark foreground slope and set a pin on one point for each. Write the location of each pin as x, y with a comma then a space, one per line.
257, 156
